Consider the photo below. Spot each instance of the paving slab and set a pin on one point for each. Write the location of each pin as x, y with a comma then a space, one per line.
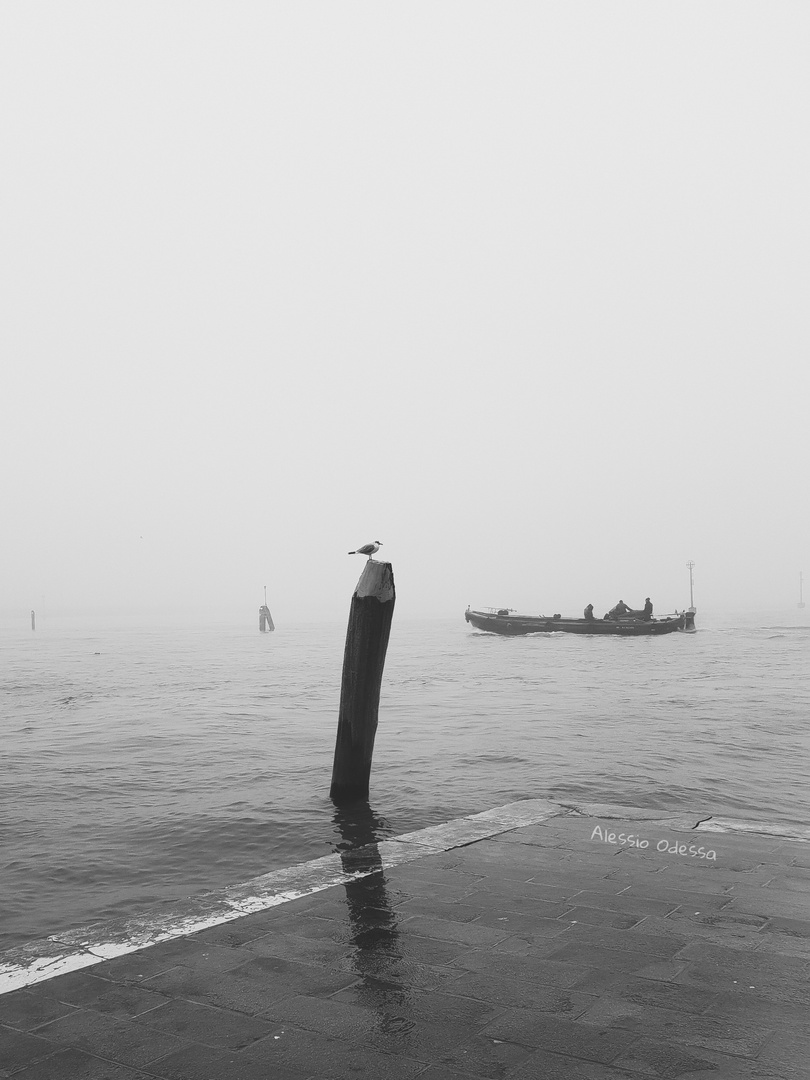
576, 941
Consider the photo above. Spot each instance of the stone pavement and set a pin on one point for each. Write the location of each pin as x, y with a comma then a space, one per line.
534, 941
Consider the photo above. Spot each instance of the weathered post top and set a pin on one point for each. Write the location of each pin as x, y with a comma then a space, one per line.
377, 580
370, 615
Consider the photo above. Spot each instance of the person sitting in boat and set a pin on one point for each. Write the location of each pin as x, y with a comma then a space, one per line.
646, 613
588, 613
620, 609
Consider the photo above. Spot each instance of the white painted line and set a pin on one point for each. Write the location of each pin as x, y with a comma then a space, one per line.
14, 978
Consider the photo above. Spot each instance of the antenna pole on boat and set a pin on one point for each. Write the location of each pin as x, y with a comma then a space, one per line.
691, 567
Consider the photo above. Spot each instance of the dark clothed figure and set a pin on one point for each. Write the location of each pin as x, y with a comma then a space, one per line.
588, 611
647, 612
620, 609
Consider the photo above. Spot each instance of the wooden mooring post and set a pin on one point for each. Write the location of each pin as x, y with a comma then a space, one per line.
372, 609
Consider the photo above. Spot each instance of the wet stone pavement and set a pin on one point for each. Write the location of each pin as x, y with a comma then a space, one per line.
564, 949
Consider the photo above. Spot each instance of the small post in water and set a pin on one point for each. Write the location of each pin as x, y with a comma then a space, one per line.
370, 615
265, 618
33, 619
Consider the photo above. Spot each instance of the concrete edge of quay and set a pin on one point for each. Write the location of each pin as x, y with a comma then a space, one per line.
72, 950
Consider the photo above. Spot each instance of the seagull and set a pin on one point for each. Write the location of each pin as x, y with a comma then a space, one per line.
368, 549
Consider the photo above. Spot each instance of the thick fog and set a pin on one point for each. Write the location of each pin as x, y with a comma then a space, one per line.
519, 289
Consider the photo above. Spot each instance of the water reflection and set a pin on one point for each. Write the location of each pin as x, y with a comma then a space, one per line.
373, 921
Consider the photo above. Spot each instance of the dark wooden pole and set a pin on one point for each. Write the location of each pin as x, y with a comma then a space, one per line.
370, 615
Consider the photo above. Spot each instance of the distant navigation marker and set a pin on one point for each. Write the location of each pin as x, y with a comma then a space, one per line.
801, 597
34, 619
265, 618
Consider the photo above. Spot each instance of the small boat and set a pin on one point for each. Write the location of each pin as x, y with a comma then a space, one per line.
506, 621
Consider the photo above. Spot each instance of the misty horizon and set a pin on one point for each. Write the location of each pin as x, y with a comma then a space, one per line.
519, 289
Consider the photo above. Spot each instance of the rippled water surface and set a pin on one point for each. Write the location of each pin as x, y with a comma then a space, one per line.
146, 764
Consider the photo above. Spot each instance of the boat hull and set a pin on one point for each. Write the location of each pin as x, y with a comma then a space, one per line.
513, 625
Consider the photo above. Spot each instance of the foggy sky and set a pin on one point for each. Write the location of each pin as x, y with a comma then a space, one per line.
519, 289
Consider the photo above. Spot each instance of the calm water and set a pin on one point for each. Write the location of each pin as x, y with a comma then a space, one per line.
147, 764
